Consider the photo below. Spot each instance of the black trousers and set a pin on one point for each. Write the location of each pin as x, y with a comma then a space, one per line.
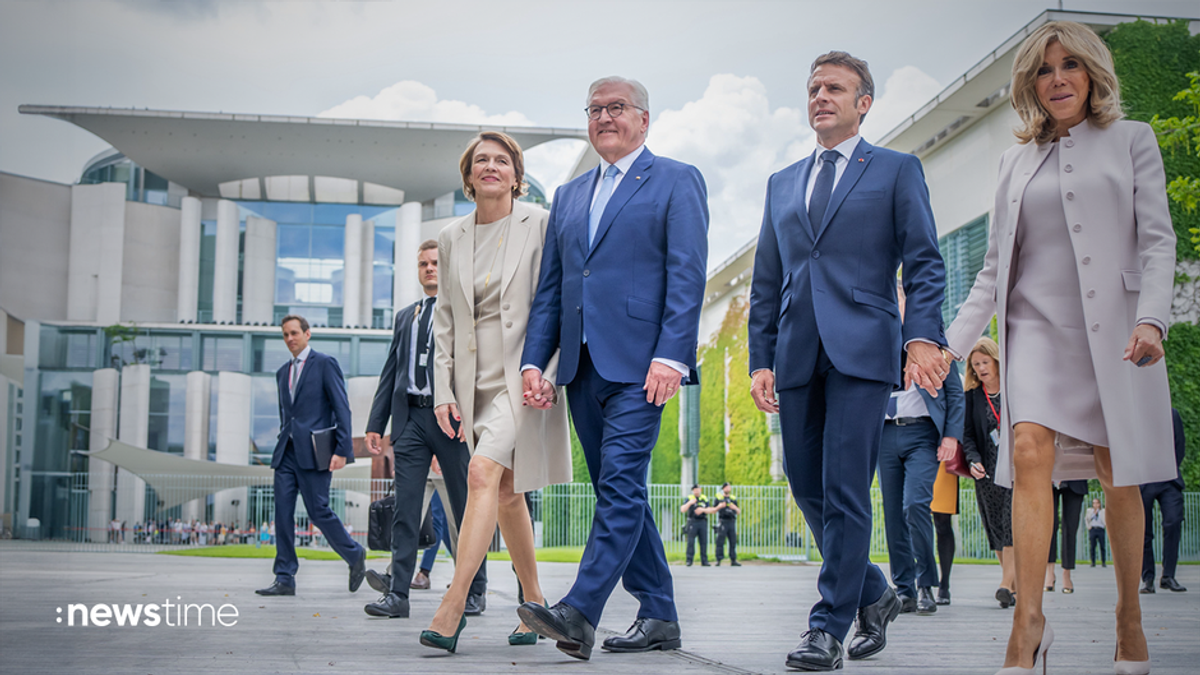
945, 547
1170, 504
697, 529
419, 442
1072, 509
727, 531
1096, 541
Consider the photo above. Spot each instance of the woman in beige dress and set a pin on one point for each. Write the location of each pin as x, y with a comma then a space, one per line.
489, 263
1079, 272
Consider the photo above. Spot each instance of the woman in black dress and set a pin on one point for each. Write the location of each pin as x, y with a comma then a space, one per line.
980, 440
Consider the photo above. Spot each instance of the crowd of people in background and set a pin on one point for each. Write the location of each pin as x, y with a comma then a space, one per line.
178, 532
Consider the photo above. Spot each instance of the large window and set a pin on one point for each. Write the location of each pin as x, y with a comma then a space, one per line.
963, 251
222, 353
168, 412
264, 426
58, 348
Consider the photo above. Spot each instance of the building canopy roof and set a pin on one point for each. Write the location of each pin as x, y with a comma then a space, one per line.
202, 151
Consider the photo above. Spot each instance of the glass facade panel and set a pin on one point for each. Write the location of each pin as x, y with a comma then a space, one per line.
335, 347
67, 349
173, 352
222, 353
269, 353
63, 418
168, 411
963, 251
265, 423
371, 356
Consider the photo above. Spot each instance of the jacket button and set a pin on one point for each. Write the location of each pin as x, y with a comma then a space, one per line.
578, 310
1086, 260
1095, 327
1068, 168
505, 306
508, 324
587, 273
816, 254
1070, 195
1077, 228
1091, 292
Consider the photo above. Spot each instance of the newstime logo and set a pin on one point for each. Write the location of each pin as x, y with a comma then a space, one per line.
172, 614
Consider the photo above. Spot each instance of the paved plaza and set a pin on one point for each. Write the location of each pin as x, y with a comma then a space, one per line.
734, 620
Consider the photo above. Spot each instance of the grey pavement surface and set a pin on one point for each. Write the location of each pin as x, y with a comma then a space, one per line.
734, 620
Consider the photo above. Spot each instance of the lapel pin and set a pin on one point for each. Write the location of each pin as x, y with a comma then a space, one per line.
637, 177
861, 159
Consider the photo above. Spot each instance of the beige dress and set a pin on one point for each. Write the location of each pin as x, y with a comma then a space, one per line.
494, 420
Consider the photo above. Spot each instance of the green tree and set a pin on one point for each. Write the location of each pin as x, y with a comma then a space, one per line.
1175, 133
665, 463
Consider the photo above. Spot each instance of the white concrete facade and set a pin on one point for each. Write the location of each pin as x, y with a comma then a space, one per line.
189, 259
225, 265
367, 284
258, 271
35, 228
150, 274
106, 383
406, 287
234, 403
195, 430
361, 392
96, 253
133, 427
352, 272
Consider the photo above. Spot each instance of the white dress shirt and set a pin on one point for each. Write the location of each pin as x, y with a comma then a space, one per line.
909, 403
844, 149
412, 354
296, 369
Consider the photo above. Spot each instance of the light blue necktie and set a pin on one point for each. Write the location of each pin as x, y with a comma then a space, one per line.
606, 190
295, 378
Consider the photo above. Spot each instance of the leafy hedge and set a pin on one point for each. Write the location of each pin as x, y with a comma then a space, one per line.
1183, 362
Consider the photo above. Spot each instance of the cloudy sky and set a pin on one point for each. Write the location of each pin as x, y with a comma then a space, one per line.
726, 78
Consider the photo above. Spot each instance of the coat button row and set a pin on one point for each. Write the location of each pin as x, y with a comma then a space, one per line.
578, 310
508, 324
1077, 228
816, 254
1069, 143
1068, 168
587, 273
1091, 292
505, 306
1070, 195
1086, 260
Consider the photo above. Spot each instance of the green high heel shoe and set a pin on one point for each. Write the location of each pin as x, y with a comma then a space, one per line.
436, 640
517, 638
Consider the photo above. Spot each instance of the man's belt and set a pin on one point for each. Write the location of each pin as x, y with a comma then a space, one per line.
906, 421
420, 401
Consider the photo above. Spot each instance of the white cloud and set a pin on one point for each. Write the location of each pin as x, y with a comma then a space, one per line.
551, 162
906, 90
413, 101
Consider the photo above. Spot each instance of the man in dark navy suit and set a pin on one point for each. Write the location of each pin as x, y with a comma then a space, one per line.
825, 337
619, 293
312, 396
1170, 503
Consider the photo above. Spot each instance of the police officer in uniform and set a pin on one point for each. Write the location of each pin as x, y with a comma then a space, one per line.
697, 510
727, 510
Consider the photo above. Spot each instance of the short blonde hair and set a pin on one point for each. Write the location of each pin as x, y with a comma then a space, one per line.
514, 151
1103, 104
988, 347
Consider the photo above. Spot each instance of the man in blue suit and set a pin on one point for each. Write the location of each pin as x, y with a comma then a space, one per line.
312, 396
621, 285
825, 338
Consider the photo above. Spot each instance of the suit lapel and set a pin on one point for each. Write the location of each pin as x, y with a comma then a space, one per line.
309, 364
464, 260
801, 188
583, 204
1030, 161
518, 234
639, 175
859, 160
404, 344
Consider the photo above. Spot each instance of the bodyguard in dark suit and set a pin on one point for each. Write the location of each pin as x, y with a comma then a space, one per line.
825, 337
312, 397
620, 290
405, 394
1170, 502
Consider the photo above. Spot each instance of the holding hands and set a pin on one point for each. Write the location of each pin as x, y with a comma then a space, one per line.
538, 391
927, 366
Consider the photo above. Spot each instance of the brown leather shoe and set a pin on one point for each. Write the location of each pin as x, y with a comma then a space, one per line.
420, 582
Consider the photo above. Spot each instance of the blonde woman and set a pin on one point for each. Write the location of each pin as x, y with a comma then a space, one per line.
1079, 272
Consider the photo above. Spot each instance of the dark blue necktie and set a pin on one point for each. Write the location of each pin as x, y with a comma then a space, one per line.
822, 190
421, 376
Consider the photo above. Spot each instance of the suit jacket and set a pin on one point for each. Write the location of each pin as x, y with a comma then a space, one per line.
638, 289
1116, 206
543, 448
975, 428
391, 396
840, 286
948, 410
320, 403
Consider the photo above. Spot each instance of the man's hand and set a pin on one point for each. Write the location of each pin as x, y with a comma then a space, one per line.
1145, 346
336, 462
947, 449
535, 386
374, 443
443, 413
762, 390
662, 381
926, 366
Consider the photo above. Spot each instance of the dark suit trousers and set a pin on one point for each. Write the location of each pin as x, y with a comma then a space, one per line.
1072, 508
830, 449
907, 469
727, 531
697, 529
313, 486
419, 442
618, 430
1170, 503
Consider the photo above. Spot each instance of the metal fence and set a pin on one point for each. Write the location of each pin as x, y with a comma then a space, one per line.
770, 526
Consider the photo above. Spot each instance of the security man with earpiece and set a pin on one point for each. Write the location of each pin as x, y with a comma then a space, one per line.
727, 510
697, 510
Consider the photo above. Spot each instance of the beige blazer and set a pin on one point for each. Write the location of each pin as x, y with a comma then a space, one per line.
1115, 201
543, 450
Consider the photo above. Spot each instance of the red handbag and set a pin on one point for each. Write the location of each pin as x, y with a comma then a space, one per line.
957, 464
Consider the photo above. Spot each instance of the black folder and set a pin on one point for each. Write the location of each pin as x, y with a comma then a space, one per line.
322, 445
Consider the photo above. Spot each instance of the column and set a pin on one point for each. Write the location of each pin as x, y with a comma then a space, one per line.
367, 288
225, 264
361, 392
352, 272
688, 439
96, 253
776, 443
258, 271
105, 389
233, 441
406, 287
195, 430
189, 258
133, 427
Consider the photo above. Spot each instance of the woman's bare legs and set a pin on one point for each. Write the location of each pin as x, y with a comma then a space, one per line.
1033, 518
1126, 527
518, 536
1008, 568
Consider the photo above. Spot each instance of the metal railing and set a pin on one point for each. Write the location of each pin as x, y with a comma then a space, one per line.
770, 526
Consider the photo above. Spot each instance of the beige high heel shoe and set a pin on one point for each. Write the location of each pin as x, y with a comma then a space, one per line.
1040, 654
1130, 667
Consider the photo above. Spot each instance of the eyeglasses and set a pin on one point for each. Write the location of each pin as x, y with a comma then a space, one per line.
614, 110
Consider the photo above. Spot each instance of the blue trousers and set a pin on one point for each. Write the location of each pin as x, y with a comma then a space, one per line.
618, 430
440, 531
830, 447
313, 487
908, 467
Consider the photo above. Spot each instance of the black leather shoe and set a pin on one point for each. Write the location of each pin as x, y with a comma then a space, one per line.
382, 583
645, 635
871, 635
908, 605
704, 564
392, 606
1005, 597
475, 604
357, 571
735, 564
818, 651
277, 589
562, 623
943, 597
925, 602
1170, 584
718, 563
1147, 586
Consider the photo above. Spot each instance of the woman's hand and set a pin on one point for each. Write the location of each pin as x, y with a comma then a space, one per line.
977, 471
1145, 346
443, 413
